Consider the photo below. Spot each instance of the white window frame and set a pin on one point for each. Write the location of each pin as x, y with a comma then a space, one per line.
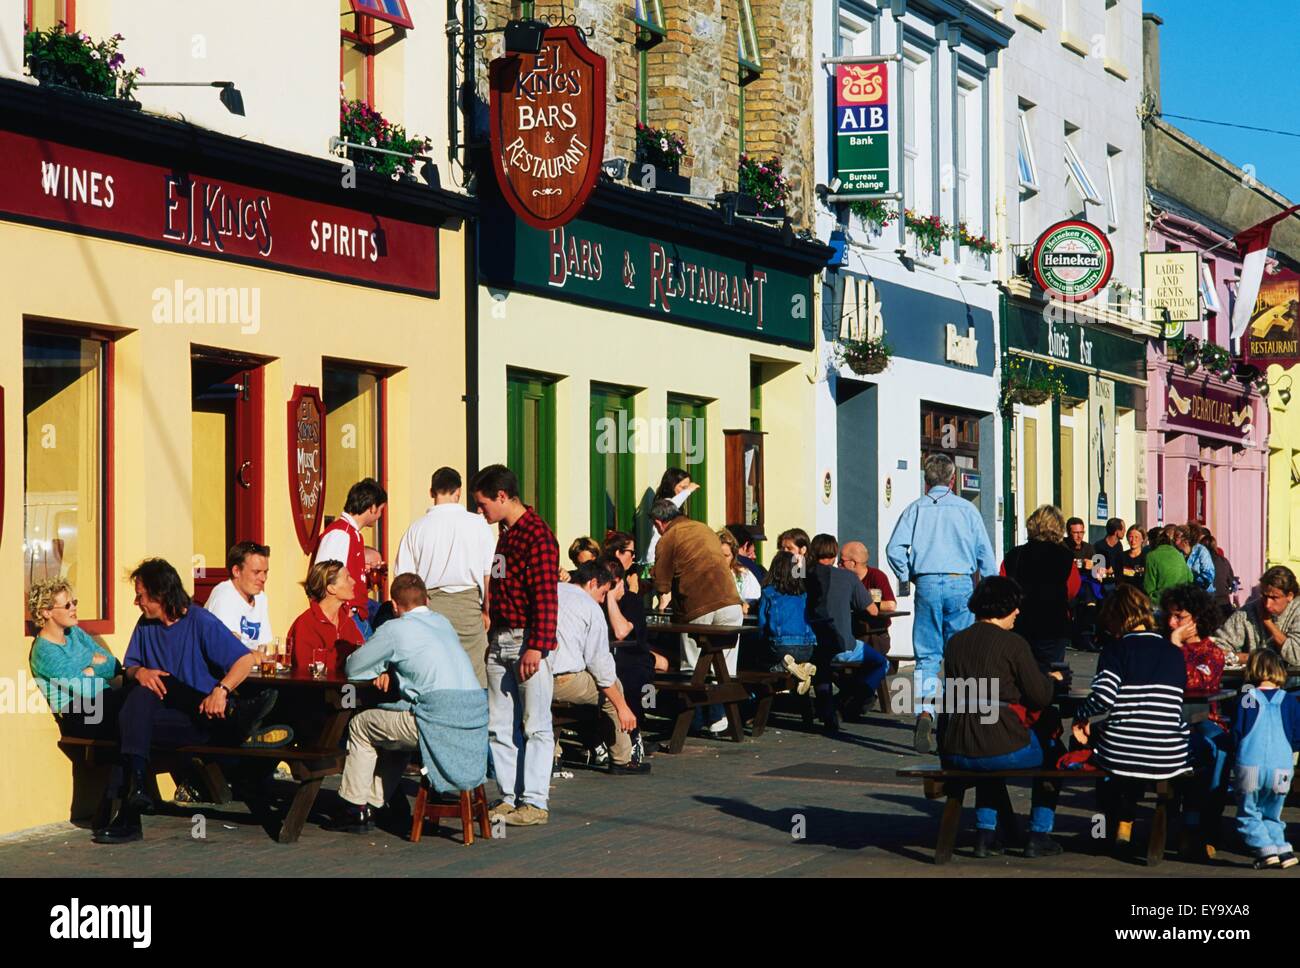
970, 170
1075, 170
918, 142
1025, 154
1208, 294
1112, 197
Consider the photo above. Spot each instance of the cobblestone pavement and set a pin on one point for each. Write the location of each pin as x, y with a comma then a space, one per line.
717, 808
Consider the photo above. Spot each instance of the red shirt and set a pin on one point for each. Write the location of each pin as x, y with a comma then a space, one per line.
1205, 674
875, 578
526, 596
312, 632
355, 561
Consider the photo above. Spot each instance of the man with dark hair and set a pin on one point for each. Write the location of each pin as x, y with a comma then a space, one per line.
342, 541
523, 610
1085, 602
584, 667
172, 664
746, 554
452, 550
442, 712
1111, 548
240, 600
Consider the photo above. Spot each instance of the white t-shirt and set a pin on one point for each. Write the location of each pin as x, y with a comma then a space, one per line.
450, 548
251, 622
679, 499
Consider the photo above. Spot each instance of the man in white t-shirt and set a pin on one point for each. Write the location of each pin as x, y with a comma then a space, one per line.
452, 549
240, 601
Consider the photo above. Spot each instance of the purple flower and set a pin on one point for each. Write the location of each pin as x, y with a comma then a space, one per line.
116, 61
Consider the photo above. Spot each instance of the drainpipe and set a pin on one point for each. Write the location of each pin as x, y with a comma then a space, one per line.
466, 95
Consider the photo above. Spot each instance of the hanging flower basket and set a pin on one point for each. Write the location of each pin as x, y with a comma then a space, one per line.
1031, 396
1023, 382
76, 63
865, 356
765, 182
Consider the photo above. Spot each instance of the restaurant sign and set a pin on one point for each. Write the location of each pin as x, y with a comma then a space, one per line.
626, 272
1199, 407
547, 127
306, 463
862, 128
1073, 260
1273, 334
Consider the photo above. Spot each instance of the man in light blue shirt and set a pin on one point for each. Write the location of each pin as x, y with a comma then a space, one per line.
421, 652
938, 544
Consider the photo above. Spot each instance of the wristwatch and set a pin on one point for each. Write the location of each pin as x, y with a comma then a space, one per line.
222, 685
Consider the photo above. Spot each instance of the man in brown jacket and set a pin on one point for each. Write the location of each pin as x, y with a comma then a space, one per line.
692, 574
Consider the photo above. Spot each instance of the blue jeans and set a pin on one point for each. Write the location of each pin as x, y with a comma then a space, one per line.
941, 612
874, 665
1209, 750
991, 795
800, 653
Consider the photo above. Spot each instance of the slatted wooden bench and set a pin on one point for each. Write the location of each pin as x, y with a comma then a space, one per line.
953, 784
309, 768
843, 670
764, 686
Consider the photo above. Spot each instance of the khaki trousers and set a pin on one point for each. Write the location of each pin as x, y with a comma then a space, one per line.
464, 610
380, 742
580, 688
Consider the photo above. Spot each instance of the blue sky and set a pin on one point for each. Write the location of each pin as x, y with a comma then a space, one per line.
1235, 62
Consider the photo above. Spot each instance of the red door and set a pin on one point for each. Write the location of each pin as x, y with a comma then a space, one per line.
227, 461
1196, 495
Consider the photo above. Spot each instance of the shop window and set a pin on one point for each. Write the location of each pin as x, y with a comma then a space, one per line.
1029, 465
1066, 482
530, 439
1196, 504
687, 439
356, 53
956, 434
391, 11
44, 14
354, 400
613, 463
66, 482
650, 30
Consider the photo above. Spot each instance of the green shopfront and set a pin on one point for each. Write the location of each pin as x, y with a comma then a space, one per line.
643, 335
1083, 447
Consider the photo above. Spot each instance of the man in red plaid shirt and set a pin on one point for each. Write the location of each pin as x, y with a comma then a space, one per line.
523, 610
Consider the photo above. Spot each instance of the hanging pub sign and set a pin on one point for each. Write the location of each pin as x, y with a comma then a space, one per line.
1172, 289
1273, 335
548, 127
862, 128
306, 463
1073, 260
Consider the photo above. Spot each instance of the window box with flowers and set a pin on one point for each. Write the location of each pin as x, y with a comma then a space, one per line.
1029, 382
977, 250
764, 182
928, 233
662, 152
75, 62
361, 124
864, 356
876, 215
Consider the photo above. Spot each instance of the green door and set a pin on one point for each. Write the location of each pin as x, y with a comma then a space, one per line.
530, 439
613, 490
687, 449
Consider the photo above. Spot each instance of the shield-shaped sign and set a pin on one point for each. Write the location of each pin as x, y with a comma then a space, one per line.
548, 127
306, 463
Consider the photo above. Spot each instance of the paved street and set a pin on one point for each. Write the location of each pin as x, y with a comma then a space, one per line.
717, 808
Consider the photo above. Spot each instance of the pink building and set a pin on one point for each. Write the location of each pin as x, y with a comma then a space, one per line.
1207, 438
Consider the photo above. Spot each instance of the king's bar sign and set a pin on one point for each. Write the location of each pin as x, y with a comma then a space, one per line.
548, 127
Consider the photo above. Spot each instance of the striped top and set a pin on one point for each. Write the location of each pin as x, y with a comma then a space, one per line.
1140, 681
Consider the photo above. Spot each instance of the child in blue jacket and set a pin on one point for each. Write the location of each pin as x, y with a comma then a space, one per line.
1267, 731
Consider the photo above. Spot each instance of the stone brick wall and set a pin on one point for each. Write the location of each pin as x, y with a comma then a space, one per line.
693, 84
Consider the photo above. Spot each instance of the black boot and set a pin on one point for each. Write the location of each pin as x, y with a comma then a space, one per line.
137, 793
352, 819
987, 842
124, 828
1042, 845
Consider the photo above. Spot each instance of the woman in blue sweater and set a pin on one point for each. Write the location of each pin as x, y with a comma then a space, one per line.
70, 668
1139, 685
782, 615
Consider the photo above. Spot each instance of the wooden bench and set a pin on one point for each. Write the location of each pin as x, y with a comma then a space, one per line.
953, 784
843, 670
309, 768
765, 686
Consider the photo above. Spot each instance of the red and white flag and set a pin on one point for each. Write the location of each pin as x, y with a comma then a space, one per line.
1253, 246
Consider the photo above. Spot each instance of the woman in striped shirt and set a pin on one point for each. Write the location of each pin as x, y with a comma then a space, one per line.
1139, 686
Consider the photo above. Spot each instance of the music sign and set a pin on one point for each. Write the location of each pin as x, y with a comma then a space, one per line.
862, 128
548, 127
306, 463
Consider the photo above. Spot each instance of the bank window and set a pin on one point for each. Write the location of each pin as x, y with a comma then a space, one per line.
970, 154
354, 399
530, 439
356, 53
392, 11
66, 482
650, 29
44, 14
613, 484
687, 439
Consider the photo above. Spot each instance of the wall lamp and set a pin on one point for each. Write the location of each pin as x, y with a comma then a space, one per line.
524, 36
230, 97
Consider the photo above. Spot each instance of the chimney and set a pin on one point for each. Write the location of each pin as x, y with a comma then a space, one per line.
1151, 58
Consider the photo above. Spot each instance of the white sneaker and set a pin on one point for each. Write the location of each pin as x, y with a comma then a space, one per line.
720, 727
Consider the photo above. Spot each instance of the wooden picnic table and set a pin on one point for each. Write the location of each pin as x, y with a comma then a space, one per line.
714, 642
1196, 705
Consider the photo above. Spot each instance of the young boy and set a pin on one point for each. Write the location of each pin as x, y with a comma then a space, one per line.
1266, 731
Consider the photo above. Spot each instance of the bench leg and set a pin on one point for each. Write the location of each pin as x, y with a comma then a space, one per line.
735, 724
680, 729
1159, 825
299, 810
417, 820
481, 805
948, 827
761, 713
466, 819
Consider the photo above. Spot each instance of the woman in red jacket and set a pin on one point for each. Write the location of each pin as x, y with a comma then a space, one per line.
1193, 614
325, 632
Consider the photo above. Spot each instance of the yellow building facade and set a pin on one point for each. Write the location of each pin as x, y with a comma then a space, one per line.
1284, 467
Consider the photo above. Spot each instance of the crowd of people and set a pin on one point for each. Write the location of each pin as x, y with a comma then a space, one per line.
482, 633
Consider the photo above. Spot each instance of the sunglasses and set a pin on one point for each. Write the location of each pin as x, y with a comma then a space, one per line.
70, 604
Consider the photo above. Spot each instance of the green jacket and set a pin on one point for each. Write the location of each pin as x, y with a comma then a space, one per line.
1166, 568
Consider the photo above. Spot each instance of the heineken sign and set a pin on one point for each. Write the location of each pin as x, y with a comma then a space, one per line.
862, 128
1073, 260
